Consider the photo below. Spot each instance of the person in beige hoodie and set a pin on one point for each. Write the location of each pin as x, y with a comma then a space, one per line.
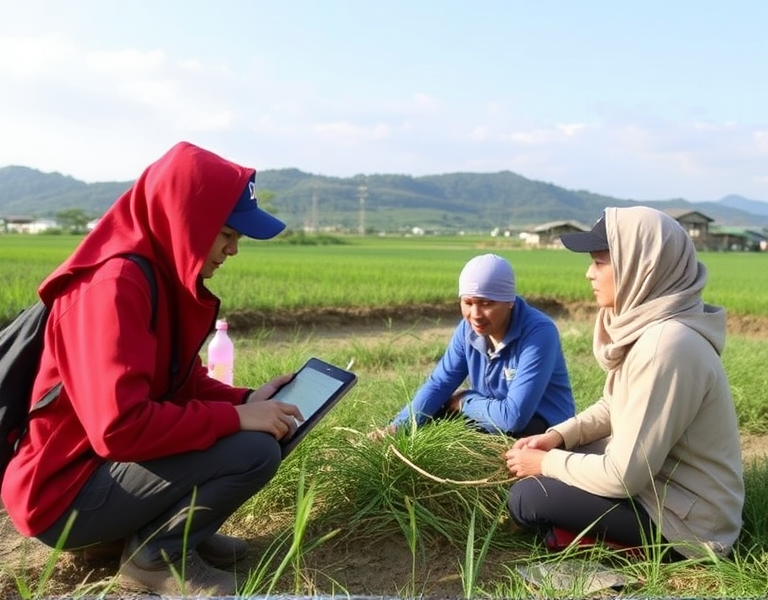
657, 459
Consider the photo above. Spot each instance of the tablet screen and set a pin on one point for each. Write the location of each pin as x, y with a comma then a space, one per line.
314, 390
309, 390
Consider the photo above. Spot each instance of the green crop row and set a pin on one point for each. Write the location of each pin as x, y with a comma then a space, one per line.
374, 272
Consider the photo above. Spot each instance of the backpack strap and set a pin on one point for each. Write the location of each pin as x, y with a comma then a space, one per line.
149, 273
53, 393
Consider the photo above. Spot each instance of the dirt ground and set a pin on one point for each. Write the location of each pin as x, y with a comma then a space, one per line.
381, 569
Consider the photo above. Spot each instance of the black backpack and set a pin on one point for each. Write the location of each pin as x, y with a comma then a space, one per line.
21, 345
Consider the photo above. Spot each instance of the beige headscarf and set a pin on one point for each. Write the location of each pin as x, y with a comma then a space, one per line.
656, 277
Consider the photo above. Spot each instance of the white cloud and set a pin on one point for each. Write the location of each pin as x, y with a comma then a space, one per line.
30, 57
533, 137
105, 115
571, 129
351, 132
418, 104
120, 63
479, 134
761, 141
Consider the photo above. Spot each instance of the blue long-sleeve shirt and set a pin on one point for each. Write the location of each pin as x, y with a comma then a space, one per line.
526, 376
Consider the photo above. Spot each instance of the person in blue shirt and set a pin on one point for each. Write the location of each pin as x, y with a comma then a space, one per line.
511, 353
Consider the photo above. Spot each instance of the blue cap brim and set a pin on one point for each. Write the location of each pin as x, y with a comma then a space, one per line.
255, 223
248, 219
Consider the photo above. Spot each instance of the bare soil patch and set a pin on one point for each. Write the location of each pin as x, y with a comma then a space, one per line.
383, 319
381, 568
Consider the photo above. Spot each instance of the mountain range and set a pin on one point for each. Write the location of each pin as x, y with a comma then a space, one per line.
441, 203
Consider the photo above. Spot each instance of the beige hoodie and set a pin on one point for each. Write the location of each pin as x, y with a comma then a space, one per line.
666, 415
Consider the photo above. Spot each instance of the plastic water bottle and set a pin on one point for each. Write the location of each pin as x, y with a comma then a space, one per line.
221, 354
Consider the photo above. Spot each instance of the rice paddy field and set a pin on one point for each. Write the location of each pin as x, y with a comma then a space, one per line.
418, 514
374, 272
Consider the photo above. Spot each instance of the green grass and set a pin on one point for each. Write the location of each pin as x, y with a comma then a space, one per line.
276, 276
440, 490
367, 491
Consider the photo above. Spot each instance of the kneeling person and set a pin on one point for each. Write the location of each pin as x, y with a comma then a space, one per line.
511, 352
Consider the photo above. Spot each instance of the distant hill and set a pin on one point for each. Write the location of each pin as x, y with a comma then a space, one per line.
750, 206
448, 202
25, 191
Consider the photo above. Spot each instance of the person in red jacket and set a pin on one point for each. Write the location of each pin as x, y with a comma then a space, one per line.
139, 433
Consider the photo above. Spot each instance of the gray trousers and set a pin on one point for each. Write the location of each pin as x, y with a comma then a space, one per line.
540, 503
148, 503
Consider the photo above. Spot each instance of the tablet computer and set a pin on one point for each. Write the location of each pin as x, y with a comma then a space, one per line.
315, 389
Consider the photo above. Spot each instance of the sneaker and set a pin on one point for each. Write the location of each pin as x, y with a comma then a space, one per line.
200, 578
558, 539
219, 550
222, 551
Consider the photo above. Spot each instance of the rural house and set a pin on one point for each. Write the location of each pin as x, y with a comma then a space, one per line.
548, 234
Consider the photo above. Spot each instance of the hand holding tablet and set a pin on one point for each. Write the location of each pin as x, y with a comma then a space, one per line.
315, 389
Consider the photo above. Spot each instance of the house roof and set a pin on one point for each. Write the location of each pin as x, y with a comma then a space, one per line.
741, 232
18, 219
679, 213
559, 224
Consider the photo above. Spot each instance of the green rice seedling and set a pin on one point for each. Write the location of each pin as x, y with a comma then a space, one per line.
585, 374
712, 578
410, 530
342, 450
754, 537
745, 576
509, 584
260, 576
29, 591
745, 363
394, 352
263, 579
473, 563
297, 548
272, 277
737, 281
442, 472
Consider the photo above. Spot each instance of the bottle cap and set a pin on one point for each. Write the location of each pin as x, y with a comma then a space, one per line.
221, 325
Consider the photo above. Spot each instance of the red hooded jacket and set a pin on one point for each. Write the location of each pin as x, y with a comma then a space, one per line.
99, 341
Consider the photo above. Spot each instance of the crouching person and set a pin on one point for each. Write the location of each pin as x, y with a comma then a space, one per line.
142, 453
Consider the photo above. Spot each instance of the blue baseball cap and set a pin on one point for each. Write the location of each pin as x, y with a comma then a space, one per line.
249, 220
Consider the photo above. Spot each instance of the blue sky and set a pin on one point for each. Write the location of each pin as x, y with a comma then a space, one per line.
637, 99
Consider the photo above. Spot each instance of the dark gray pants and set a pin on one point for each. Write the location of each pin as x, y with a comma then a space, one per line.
148, 503
540, 503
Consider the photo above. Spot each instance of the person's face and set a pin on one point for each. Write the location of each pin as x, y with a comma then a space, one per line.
600, 275
225, 245
486, 317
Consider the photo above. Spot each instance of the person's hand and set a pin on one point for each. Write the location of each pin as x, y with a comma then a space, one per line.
543, 441
456, 402
380, 434
275, 417
524, 462
269, 389
526, 455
